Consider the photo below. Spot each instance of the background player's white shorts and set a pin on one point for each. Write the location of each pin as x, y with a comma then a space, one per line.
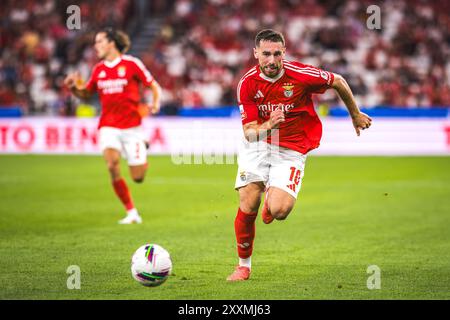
129, 142
273, 165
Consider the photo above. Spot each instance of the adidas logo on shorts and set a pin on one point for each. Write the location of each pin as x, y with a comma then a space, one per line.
291, 186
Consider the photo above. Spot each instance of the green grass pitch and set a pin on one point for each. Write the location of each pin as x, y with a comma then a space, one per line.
352, 212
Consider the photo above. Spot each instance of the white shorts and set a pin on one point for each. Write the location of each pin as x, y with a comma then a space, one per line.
129, 142
273, 165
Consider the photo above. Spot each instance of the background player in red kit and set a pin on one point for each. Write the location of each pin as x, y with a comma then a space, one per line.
280, 126
117, 79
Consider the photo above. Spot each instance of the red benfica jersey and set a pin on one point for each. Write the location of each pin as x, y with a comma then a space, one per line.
259, 95
117, 83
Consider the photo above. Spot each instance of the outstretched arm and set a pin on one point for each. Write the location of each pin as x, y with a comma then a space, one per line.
360, 120
75, 83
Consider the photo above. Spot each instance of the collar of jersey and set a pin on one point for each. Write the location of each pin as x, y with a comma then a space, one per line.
262, 75
112, 64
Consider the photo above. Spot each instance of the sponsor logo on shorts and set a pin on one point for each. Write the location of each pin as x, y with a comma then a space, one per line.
292, 186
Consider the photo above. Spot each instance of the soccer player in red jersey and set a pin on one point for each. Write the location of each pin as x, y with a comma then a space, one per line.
117, 79
280, 126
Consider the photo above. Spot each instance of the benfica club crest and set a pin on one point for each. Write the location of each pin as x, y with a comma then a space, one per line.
288, 89
121, 71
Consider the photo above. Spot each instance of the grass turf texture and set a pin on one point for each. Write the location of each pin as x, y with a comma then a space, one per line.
393, 212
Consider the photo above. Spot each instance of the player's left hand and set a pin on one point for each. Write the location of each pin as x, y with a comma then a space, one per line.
361, 121
145, 109
154, 108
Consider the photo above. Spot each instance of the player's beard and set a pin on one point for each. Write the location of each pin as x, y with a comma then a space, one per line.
271, 70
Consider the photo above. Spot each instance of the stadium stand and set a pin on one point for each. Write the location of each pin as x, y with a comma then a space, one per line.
198, 50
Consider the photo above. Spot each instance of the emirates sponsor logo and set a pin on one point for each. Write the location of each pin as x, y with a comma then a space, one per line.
112, 85
269, 107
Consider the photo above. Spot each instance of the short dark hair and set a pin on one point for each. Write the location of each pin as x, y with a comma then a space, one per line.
120, 38
269, 35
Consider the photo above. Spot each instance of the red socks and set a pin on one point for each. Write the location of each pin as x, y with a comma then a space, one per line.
244, 227
121, 189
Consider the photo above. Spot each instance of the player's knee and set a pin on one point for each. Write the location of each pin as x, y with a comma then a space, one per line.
113, 165
114, 170
138, 179
281, 212
281, 216
249, 199
249, 205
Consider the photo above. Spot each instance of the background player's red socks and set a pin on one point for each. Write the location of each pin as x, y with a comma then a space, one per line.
244, 227
121, 189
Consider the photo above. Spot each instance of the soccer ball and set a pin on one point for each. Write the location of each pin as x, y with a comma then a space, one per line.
151, 265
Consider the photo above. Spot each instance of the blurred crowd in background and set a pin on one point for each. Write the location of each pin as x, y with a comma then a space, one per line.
203, 48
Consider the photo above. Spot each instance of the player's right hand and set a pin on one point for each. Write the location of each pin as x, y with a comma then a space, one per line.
276, 117
361, 121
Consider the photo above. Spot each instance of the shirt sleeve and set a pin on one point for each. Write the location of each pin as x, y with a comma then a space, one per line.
142, 72
247, 105
318, 80
91, 84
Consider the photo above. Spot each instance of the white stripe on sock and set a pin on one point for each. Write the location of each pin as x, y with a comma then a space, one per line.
246, 262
